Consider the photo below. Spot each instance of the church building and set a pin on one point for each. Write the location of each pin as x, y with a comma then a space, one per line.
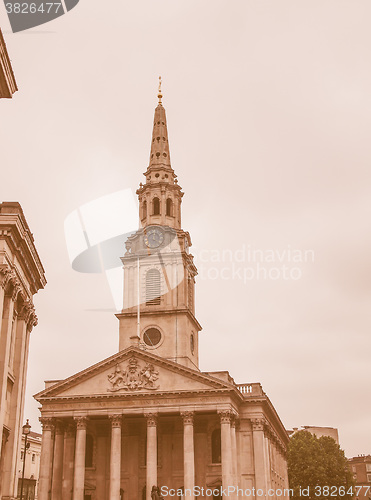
147, 416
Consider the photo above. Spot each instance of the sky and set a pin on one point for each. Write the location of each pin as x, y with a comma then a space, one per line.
269, 110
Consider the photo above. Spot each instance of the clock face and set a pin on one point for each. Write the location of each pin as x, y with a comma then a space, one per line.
153, 237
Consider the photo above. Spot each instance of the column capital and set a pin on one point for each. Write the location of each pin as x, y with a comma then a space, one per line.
226, 416
27, 314
5, 275
116, 420
235, 422
81, 422
151, 419
47, 423
258, 424
187, 416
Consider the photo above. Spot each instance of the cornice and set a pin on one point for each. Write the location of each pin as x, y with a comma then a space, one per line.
14, 229
162, 312
134, 396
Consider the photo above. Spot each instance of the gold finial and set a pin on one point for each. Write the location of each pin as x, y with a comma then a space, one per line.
159, 90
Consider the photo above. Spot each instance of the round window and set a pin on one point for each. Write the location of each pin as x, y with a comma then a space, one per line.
192, 344
152, 337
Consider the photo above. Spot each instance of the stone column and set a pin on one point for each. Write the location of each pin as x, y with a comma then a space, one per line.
151, 453
79, 474
234, 452
189, 454
258, 425
102, 441
225, 425
115, 464
68, 462
58, 462
46, 458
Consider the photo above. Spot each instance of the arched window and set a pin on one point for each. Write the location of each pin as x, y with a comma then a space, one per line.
169, 207
216, 447
89, 451
156, 206
153, 287
144, 214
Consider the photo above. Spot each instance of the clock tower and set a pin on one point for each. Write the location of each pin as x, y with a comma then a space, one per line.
159, 274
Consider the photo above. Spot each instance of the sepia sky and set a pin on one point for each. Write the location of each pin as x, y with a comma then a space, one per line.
269, 117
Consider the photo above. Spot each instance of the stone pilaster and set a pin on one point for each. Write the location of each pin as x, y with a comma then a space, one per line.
46, 458
234, 452
260, 465
151, 477
189, 454
115, 463
80, 447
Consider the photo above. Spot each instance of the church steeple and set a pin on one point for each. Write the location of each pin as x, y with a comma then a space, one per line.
160, 197
160, 154
159, 272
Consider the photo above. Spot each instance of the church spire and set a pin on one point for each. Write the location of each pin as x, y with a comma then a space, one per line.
160, 154
159, 95
160, 197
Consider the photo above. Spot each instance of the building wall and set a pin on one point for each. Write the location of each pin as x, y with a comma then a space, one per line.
21, 276
361, 470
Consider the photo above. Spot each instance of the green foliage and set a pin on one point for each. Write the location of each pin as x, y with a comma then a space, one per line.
318, 469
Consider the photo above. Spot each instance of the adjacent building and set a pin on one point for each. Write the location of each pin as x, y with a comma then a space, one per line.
147, 416
31, 466
361, 469
21, 276
318, 431
8, 84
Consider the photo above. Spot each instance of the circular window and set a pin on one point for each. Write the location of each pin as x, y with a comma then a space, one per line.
192, 344
152, 337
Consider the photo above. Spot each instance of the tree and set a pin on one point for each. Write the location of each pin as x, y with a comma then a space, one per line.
318, 469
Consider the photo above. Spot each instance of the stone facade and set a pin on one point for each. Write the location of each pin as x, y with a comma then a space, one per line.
21, 276
147, 416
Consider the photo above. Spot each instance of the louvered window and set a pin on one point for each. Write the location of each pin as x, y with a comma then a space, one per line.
153, 287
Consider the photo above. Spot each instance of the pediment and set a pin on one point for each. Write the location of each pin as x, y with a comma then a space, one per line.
132, 372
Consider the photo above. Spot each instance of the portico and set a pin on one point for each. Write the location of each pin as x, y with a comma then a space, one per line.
124, 435
205, 431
